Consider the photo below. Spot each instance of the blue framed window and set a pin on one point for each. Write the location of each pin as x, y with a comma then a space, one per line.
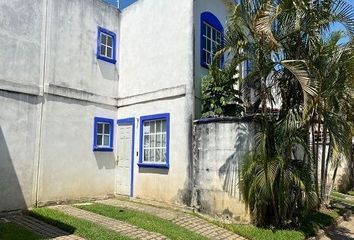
211, 39
155, 141
106, 45
103, 134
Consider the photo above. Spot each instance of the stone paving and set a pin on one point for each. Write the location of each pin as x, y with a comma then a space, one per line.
40, 228
344, 231
112, 224
185, 220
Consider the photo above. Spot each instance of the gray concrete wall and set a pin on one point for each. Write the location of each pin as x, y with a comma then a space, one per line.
219, 148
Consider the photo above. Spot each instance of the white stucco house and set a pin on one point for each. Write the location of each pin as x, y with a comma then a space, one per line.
97, 100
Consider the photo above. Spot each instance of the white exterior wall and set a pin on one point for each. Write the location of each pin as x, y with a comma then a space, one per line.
51, 88
219, 9
156, 76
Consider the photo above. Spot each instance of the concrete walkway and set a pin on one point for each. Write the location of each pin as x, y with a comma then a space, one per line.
344, 231
40, 228
185, 220
112, 224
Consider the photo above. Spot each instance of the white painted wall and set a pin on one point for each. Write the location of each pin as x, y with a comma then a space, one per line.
219, 9
72, 45
159, 184
70, 169
20, 40
57, 86
156, 76
156, 46
18, 146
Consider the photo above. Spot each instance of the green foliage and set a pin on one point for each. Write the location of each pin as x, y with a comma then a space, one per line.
274, 185
305, 73
15, 232
219, 94
80, 227
144, 221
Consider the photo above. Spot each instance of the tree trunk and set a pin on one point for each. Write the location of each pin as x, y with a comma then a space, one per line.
323, 164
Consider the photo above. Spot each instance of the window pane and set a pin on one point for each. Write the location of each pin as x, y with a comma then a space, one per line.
99, 127
164, 140
164, 126
103, 52
159, 140
146, 155
109, 41
99, 140
146, 129
106, 128
103, 38
152, 126
158, 126
152, 155
208, 45
208, 32
153, 140
109, 52
146, 141
159, 155
163, 156
106, 140
204, 29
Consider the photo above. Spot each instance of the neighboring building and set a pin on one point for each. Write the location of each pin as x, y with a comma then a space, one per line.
97, 101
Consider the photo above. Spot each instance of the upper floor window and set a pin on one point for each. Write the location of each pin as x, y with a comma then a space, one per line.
103, 134
211, 39
106, 45
154, 142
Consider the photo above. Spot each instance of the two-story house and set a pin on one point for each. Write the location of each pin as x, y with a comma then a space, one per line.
97, 100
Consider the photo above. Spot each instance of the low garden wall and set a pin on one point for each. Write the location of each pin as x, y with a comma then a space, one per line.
218, 148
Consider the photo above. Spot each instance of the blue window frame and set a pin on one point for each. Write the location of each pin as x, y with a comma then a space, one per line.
211, 39
106, 45
155, 141
103, 134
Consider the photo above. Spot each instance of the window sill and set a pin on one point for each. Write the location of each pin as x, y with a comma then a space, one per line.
103, 149
153, 165
106, 59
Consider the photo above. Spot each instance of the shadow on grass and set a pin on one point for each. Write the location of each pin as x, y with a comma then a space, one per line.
54, 222
315, 221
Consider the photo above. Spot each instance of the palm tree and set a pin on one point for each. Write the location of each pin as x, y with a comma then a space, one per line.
311, 75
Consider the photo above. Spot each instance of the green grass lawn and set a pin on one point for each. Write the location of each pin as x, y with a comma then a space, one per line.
351, 193
11, 231
254, 233
143, 220
83, 228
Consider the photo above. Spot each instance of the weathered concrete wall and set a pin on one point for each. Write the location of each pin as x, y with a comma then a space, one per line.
220, 10
156, 76
220, 145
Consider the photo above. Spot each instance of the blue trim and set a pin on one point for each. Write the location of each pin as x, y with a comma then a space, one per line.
163, 116
111, 133
114, 42
213, 21
130, 121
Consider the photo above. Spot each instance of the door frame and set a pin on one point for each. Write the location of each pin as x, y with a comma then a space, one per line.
129, 121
